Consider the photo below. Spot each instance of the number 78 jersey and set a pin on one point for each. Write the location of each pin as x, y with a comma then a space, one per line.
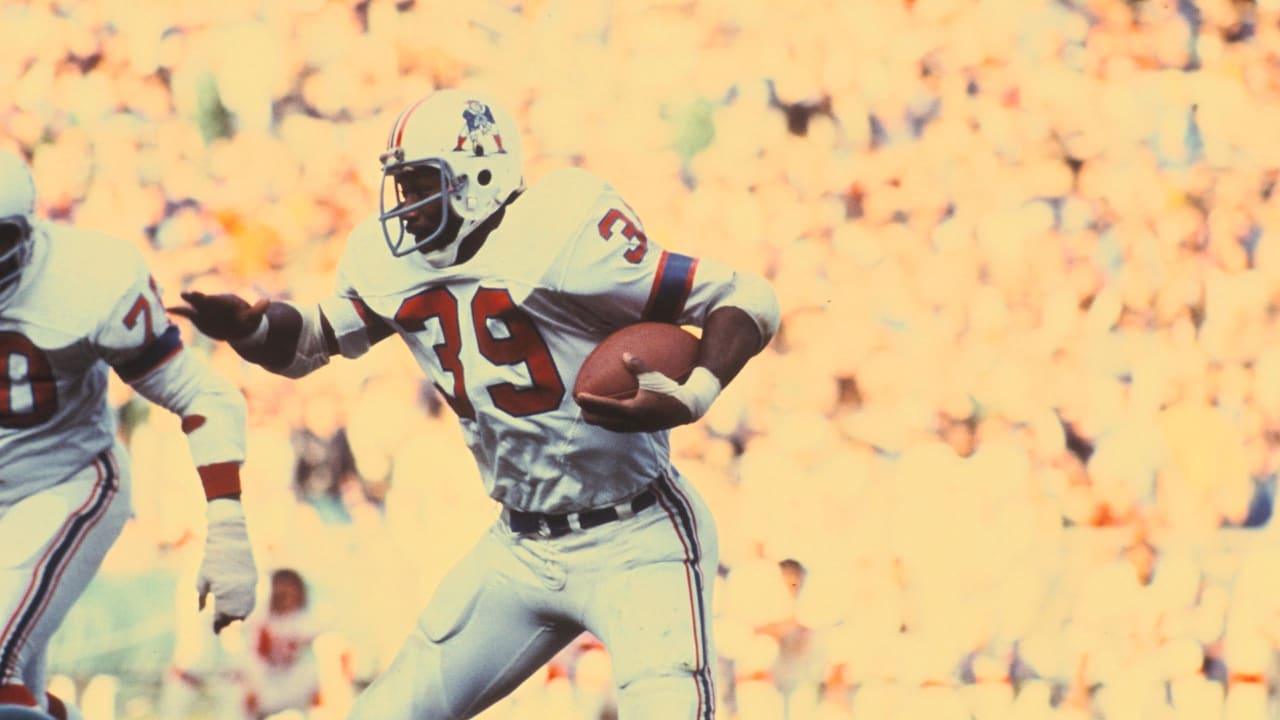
502, 335
86, 304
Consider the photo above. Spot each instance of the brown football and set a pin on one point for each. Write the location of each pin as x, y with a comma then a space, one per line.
669, 349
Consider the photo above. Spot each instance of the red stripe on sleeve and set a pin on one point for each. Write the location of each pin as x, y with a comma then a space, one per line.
657, 284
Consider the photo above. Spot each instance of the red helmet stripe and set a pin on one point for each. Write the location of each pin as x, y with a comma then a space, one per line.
391, 136
397, 131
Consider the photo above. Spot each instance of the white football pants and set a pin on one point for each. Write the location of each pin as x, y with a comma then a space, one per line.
51, 544
642, 585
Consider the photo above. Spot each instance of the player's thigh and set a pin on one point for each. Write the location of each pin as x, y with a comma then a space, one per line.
51, 545
481, 635
655, 616
657, 629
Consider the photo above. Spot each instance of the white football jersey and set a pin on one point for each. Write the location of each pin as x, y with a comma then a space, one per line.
503, 334
86, 303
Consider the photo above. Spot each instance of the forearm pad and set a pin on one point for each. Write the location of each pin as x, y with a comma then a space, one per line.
306, 336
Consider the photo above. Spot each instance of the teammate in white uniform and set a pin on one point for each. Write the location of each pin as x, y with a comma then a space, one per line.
73, 306
500, 292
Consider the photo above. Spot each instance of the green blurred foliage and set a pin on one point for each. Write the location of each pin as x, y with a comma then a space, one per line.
211, 115
694, 126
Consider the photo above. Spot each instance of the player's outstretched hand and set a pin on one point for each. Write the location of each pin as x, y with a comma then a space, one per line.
223, 316
655, 406
228, 570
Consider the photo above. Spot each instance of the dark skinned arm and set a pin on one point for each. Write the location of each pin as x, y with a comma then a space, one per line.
229, 318
729, 339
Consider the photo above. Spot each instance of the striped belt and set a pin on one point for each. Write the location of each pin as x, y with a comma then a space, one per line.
553, 525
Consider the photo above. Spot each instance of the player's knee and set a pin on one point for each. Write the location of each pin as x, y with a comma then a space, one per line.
445, 617
29, 526
447, 613
669, 695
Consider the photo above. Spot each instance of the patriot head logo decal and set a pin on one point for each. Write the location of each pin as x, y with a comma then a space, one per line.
478, 130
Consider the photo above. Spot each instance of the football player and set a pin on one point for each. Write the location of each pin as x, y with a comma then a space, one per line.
75, 305
500, 291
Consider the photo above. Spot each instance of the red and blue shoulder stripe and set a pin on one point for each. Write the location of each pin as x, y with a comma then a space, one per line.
672, 283
160, 351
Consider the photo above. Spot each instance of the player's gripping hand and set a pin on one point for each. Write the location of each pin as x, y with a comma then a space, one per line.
660, 403
223, 316
228, 570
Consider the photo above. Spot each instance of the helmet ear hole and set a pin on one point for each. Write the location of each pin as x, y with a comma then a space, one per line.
483, 177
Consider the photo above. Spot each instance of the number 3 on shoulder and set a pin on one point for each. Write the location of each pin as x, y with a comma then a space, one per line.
637, 243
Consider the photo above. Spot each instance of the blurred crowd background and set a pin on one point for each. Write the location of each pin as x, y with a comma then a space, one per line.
1012, 455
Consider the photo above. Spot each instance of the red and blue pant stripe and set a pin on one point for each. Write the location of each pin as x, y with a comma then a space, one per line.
680, 511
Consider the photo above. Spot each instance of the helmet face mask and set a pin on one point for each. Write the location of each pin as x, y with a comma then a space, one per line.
452, 160
17, 218
414, 207
15, 248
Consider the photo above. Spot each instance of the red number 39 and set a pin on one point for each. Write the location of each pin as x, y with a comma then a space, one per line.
522, 344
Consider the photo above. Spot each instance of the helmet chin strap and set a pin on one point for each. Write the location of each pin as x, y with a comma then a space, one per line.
444, 257
446, 254
466, 243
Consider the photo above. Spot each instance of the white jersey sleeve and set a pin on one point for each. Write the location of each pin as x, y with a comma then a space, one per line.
365, 263
135, 336
612, 267
212, 410
348, 316
137, 339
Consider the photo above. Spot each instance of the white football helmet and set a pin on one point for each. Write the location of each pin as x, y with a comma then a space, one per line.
472, 144
17, 215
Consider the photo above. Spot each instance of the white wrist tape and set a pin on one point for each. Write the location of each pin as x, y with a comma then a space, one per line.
228, 570
254, 339
697, 393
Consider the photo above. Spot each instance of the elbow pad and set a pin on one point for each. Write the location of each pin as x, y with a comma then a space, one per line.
754, 295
